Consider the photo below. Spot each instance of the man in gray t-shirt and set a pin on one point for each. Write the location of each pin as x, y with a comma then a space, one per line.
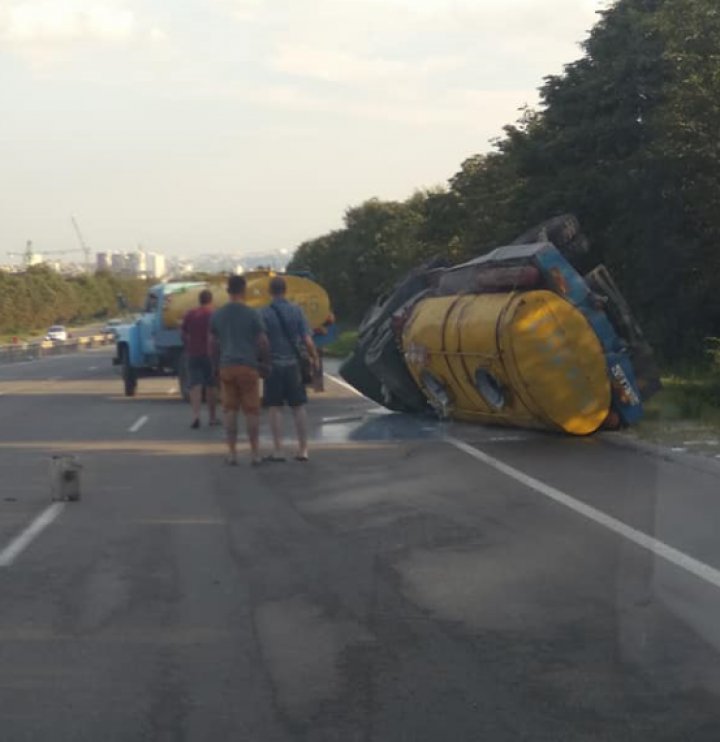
240, 347
237, 328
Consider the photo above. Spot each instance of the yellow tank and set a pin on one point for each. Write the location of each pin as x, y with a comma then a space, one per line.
524, 359
309, 295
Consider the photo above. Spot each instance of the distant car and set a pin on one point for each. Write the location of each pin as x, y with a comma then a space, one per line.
57, 333
110, 328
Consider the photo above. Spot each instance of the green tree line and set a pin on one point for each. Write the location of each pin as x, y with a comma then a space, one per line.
40, 297
627, 138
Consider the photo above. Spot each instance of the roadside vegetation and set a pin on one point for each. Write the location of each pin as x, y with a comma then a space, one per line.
343, 346
32, 301
687, 398
625, 138
693, 394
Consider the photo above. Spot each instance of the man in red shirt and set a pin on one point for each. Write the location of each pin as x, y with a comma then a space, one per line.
196, 335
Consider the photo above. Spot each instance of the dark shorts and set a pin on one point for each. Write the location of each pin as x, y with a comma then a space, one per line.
200, 372
284, 385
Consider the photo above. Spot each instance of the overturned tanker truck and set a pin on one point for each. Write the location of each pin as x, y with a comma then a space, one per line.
516, 337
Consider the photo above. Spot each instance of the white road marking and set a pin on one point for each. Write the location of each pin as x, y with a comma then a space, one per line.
138, 424
92, 368
507, 439
172, 390
674, 556
16, 547
338, 420
345, 385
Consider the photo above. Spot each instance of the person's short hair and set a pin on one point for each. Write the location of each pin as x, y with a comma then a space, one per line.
205, 297
278, 287
236, 285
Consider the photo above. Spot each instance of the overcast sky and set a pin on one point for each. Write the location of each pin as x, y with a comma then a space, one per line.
249, 125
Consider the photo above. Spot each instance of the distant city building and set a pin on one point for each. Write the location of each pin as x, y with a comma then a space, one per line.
224, 263
156, 266
179, 267
35, 259
118, 262
137, 263
228, 264
276, 261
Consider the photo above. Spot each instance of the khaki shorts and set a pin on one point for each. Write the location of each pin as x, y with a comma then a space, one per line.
240, 389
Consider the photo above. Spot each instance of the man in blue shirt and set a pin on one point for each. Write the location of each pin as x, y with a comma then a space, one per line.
287, 330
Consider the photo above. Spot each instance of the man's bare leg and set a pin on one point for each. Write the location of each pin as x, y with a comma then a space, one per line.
253, 430
300, 416
196, 404
276, 426
231, 434
211, 397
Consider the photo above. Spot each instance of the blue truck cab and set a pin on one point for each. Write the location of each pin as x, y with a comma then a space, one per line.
146, 347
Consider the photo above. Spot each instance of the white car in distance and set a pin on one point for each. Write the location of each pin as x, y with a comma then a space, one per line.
57, 333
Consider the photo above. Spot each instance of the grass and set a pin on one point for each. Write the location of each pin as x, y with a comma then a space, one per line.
343, 346
684, 398
686, 413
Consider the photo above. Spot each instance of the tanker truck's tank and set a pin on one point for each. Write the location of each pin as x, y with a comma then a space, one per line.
309, 295
524, 359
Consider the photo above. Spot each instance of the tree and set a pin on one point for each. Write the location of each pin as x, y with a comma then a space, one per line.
380, 241
626, 138
39, 297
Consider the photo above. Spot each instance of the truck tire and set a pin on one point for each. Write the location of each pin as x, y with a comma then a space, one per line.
129, 375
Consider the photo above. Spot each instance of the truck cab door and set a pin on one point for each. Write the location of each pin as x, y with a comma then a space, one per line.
148, 323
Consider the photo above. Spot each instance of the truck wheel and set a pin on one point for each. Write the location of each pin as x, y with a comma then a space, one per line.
129, 376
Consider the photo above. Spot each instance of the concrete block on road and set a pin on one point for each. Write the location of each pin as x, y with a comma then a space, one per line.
65, 478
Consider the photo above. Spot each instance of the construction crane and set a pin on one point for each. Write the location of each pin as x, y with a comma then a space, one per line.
83, 245
29, 255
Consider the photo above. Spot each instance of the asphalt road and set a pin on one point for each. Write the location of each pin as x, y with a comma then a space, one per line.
413, 582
